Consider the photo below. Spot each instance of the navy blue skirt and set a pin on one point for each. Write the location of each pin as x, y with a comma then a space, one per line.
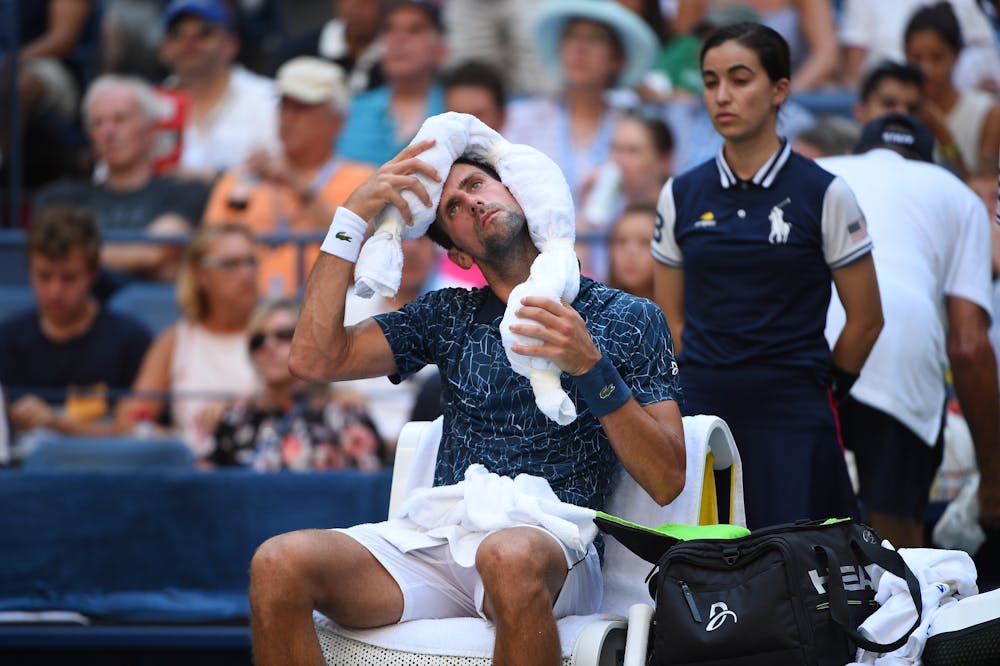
786, 430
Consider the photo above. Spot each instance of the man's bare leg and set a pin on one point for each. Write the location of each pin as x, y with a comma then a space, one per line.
523, 570
292, 574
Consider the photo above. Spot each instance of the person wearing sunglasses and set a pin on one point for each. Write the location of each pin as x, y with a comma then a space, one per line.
231, 110
202, 360
290, 424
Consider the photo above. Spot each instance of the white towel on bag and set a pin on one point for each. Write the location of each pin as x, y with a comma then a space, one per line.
944, 577
539, 187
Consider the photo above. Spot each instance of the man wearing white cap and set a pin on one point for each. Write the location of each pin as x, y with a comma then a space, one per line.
298, 188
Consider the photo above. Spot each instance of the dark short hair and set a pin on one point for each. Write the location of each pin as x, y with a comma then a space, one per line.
890, 70
57, 230
939, 19
436, 231
659, 130
770, 47
478, 74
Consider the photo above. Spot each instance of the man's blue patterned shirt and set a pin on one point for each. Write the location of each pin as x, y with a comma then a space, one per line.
490, 416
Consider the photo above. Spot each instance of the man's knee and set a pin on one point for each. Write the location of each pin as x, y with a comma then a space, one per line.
521, 561
280, 561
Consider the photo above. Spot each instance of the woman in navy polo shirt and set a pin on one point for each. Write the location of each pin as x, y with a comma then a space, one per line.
746, 245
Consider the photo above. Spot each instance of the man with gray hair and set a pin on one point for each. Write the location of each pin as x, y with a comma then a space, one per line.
120, 114
299, 188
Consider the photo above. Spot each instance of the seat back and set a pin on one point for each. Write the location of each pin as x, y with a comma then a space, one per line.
63, 452
153, 304
709, 447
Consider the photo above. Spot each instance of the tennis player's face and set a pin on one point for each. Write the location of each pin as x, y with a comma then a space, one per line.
741, 99
480, 214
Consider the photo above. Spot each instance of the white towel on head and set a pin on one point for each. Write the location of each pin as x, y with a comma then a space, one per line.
540, 189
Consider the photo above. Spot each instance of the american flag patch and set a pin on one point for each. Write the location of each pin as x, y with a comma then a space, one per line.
858, 229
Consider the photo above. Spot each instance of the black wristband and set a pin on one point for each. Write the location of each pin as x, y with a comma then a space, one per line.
841, 381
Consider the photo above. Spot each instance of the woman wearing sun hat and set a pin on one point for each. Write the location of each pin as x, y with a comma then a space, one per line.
591, 46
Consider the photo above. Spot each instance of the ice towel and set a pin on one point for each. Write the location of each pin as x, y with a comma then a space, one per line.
463, 514
539, 187
944, 577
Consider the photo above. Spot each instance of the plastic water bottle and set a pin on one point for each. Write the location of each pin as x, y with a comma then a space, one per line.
599, 205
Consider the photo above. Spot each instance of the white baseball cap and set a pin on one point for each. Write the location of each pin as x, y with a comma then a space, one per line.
312, 80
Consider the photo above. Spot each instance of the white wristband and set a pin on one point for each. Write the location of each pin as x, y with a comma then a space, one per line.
346, 235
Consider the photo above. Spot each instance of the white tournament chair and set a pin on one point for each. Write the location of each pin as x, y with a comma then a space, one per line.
591, 640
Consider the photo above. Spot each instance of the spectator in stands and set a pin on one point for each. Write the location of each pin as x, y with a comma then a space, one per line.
291, 424
500, 33
231, 110
899, 88
382, 121
121, 114
872, 32
476, 88
808, 26
63, 361
641, 161
130, 39
933, 42
630, 266
299, 188
52, 59
592, 47
201, 361
349, 39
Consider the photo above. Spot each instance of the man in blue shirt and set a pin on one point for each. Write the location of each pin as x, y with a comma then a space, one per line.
616, 355
382, 121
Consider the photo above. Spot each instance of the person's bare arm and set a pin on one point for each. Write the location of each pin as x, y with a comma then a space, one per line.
974, 367
819, 28
66, 20
150, 385
668, 290
989, 141
324, 349
857, 288
648, 440
30, 411
852, 58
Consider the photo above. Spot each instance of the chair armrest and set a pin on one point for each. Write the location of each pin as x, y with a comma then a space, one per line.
637, 639
416, 451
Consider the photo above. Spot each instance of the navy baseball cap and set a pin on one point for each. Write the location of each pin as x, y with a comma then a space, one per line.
210, 11
897, 130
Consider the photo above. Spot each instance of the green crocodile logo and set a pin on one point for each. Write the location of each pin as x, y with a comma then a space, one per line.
340, 235
607, 391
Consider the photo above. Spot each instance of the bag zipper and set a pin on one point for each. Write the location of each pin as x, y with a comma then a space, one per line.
695, 615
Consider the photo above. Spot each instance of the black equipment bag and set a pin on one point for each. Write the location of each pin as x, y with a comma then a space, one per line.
782, 595
788, 594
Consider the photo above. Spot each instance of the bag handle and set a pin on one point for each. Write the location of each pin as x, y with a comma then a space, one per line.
889, 560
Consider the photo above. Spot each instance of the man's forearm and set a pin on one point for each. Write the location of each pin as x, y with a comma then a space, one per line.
650, 444
321, 344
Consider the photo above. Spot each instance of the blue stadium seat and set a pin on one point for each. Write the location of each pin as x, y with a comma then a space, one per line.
66, 452
13, 262
14, 298
152, 303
